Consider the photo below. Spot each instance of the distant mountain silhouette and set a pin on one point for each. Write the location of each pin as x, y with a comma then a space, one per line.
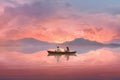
81, 41
115, 41
31, 45
29, 41
84, 42
75, 42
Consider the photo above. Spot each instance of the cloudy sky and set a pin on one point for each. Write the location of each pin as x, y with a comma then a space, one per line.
60, 20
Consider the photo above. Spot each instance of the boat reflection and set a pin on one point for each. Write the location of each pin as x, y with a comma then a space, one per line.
58, 56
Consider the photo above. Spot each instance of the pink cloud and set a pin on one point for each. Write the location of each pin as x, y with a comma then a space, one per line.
61, 23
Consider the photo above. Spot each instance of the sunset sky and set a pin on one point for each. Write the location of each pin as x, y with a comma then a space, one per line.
24, 22
60, 20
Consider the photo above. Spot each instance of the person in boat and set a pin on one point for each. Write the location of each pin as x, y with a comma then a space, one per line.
58, 49
67, 49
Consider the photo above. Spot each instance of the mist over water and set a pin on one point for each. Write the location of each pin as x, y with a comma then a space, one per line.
89, 63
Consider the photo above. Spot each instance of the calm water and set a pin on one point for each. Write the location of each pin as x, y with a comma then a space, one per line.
89, 63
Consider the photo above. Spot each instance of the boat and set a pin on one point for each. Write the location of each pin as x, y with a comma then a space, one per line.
66, 52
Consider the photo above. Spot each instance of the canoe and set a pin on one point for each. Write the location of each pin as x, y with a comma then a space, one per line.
60, 54
55, 52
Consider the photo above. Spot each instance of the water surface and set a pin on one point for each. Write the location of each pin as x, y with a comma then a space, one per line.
87, 64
